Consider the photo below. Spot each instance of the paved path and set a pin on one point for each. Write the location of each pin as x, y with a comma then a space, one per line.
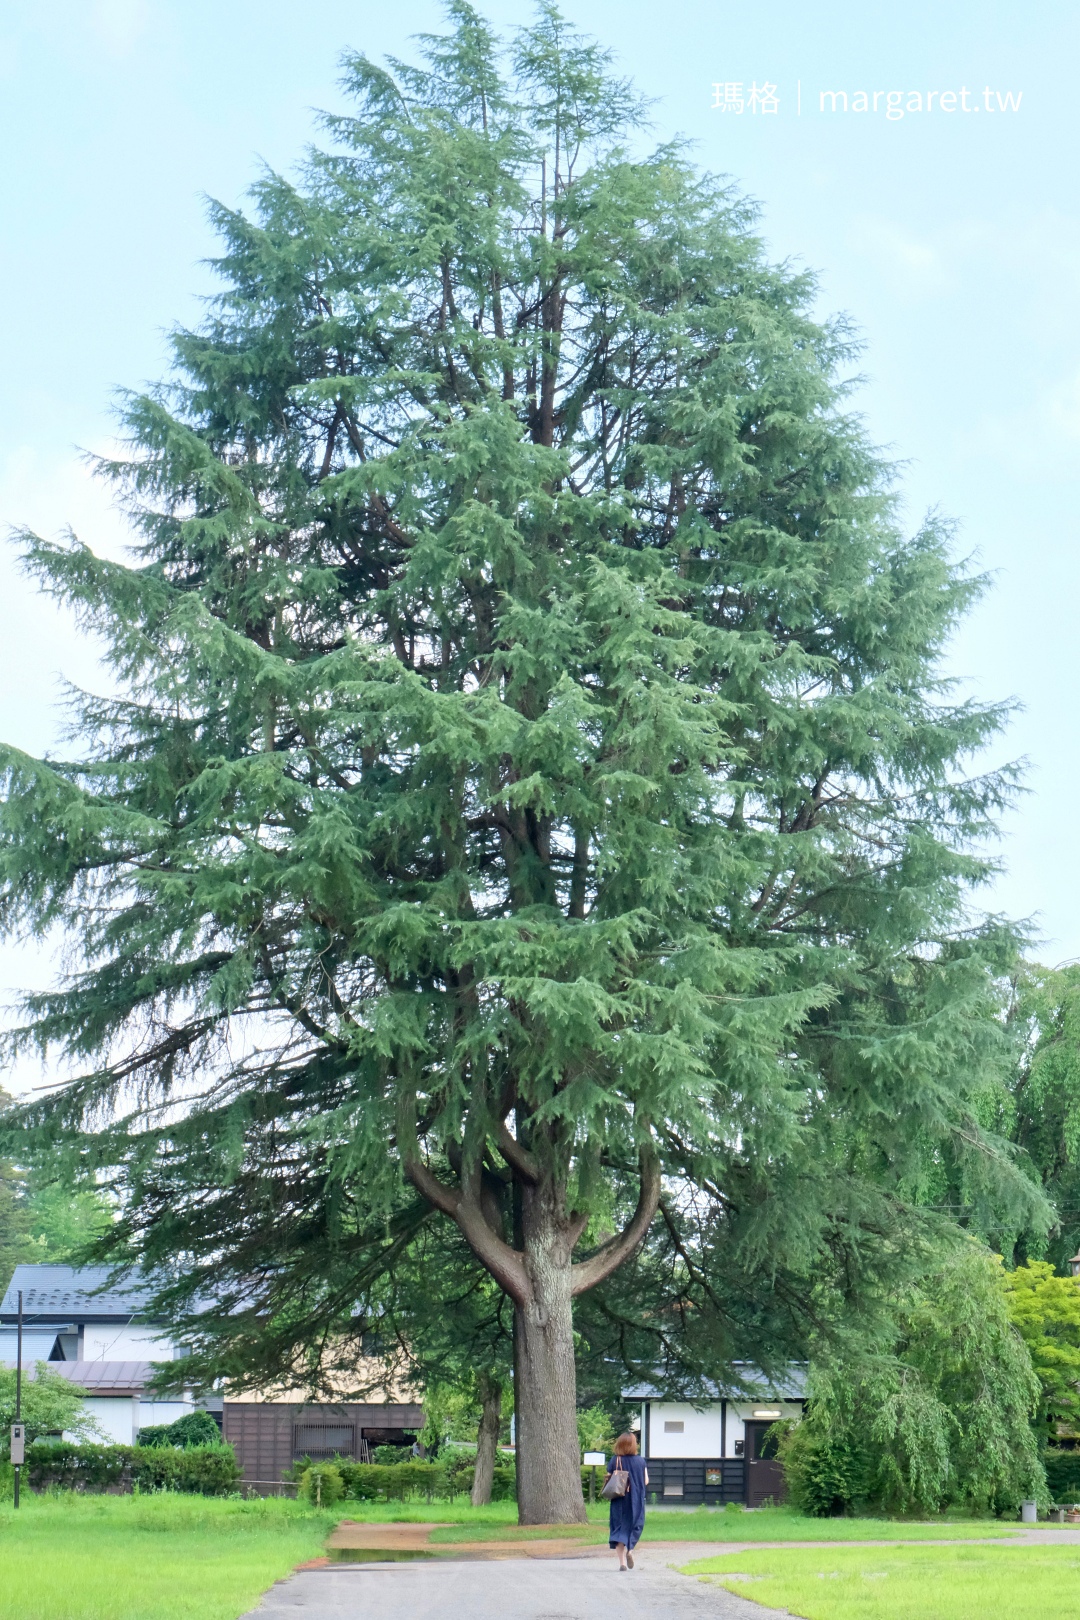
575, 1588
582, 1585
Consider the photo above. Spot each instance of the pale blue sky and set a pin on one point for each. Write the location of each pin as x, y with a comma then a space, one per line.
952, 239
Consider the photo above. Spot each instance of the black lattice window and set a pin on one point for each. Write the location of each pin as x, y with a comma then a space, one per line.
321, 1440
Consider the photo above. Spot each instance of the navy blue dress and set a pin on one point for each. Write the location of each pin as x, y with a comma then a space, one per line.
627, 1519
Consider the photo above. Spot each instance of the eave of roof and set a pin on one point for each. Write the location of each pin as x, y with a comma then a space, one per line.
100, 1377
106, 1377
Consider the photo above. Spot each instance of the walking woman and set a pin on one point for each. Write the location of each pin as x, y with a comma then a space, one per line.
627, 1519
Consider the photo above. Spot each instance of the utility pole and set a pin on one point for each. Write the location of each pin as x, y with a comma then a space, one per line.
18, 1433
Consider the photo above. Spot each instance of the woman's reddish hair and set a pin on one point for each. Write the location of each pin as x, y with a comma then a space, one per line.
626, 1445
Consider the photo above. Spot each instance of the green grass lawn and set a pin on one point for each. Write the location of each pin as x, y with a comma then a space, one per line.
498, 1522
784, 1524
907, 1583
169, 1557
162, 1557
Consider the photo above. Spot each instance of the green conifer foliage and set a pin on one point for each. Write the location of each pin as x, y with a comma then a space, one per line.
530, 778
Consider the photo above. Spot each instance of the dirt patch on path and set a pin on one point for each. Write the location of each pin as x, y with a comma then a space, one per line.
384, 1537
353, 1537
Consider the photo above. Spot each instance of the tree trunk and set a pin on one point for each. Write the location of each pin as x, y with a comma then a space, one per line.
487, 1437
536, 1271
545, 1380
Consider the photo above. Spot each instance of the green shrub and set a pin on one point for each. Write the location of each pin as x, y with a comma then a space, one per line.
193, 1429
197, 1470
458, 1481
825, 1472
156, 1434
321, 1484
390, 1456
444, 1480
208, 1470
455, 1479
1063, 1474
503, 1482
155, 1468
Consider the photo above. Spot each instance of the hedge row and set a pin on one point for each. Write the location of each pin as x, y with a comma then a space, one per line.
213, 1471
442, 1480
197, 1470
397, 1482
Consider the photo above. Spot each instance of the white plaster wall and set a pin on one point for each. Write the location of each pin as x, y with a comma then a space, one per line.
701, 1431
700, 1436
113, 1415
151, 1412
735, 1430
106, 1342
118, 1416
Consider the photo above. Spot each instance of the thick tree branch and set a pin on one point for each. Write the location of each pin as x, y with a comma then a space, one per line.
610, 1255
426, 1182
517, 1157
504, 1263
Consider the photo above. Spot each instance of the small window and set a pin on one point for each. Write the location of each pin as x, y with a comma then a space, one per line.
673, 1428
672, 1490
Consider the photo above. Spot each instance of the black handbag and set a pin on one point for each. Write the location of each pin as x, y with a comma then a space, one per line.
617, 1483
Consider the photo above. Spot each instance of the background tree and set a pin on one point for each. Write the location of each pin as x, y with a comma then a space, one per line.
1041, 1108
51, 1405
17, 1244
1045, 1310
530, 777
44, 1219
935, 1413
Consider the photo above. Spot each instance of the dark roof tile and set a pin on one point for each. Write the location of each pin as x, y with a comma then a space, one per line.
73, 1293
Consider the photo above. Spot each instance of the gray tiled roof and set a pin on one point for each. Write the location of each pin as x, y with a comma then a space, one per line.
70, 1293
748, 1383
